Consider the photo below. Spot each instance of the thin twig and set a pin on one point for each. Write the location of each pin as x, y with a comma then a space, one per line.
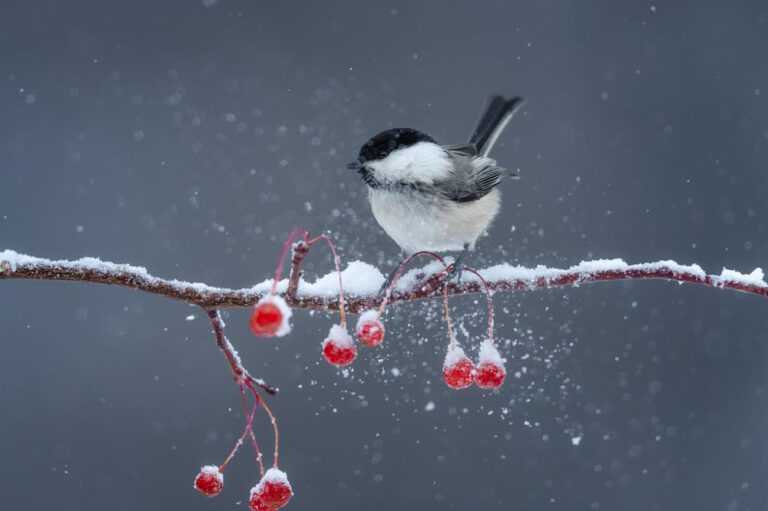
239, 372
300, 249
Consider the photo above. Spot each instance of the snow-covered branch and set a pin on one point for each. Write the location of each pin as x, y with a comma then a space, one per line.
362, 281
239, 372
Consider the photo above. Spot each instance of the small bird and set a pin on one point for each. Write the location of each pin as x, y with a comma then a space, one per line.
429, 196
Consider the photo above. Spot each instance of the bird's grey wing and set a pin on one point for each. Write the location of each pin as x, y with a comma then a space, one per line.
473, 177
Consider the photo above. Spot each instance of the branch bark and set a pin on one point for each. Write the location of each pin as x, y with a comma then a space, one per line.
420, 284
239, 372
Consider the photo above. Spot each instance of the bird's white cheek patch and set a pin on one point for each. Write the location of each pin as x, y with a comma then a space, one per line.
424, 162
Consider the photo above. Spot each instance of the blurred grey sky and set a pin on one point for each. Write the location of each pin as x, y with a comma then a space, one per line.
190, 136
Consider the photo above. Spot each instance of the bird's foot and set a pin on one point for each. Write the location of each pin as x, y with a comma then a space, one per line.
387, 283
455, 271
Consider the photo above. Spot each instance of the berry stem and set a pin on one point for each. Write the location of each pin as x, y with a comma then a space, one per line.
337, 263
489, 300
292, 237
451, 337
248, 427
399, 273
274, 426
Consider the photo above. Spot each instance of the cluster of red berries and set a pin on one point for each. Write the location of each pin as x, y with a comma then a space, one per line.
459, 372
271, 318
271, 315
272, 492
339, 348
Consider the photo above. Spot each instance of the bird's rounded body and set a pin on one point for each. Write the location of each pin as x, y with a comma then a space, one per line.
416, 221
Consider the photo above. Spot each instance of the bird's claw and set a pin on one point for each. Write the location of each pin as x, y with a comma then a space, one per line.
384, 286
455, 271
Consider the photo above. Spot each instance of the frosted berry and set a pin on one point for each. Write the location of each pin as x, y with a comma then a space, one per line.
490, 375
490, 368
270, 317
458, 370
209, 481
369, 330
274, 488
273, 491
371, 334
339, 348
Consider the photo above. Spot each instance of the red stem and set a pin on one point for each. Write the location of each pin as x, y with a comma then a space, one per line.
489, 301
451, 337
275, 459
398, 274
245, 431
257, 399
337, 263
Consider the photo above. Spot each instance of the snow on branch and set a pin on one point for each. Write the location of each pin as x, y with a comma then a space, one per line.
360, 293
362, 281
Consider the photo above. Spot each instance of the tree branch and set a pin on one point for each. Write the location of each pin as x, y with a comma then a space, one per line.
239, 372
364, 280
362, 283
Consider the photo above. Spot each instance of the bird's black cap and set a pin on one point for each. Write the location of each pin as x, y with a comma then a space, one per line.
385, 142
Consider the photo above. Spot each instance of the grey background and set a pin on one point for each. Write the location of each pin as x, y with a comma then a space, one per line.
190, 136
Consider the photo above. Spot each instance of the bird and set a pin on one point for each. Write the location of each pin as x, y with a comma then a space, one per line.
432, 197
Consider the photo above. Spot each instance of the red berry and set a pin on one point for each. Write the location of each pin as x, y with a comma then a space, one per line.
270, 317
490, 367
273, 491
339, 348
490, 375
458, 370
369, 330
371, 334
209, 481
338, 355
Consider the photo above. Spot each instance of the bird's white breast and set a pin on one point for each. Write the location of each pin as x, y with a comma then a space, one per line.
417, 222
424, 162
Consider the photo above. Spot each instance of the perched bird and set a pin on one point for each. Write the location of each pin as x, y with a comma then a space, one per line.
429, 196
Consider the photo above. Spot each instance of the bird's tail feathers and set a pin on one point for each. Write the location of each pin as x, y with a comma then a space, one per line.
494, 119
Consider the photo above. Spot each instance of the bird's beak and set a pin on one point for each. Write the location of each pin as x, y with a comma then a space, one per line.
353, 165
